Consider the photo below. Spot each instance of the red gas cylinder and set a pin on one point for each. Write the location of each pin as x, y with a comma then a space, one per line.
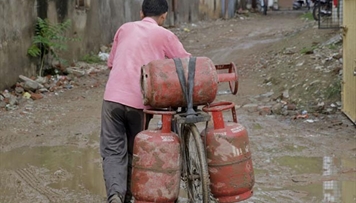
229, 156
162, 88
156, 163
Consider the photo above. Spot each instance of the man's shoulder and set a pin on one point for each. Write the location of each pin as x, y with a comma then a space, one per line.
164, 31
128, 24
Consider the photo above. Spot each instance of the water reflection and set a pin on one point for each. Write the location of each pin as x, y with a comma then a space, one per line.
67, 169
334, 185
331, 189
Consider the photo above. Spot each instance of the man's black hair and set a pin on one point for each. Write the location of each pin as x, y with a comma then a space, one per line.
154, 7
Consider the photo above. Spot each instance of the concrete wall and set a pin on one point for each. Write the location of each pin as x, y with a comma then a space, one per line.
210, 9
95, 25
16, 30
285, 4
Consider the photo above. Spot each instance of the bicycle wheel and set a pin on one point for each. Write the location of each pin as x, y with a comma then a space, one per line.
195, 168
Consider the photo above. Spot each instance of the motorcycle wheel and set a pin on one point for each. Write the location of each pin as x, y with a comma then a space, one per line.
326, 7
316, 12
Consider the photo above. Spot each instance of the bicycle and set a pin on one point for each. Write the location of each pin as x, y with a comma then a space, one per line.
194, 171
193, 168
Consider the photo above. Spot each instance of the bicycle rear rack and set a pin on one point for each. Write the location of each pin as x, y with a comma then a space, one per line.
197, 117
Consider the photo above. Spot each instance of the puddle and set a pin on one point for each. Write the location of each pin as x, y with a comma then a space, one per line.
336, 183
59, 168
301, 164
328, 191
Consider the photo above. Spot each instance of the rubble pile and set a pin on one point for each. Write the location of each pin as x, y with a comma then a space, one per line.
36, 88
302, 82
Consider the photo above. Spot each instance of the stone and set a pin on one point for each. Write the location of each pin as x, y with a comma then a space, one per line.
36, 96
30, 84
42, 80
337, 56
10, 107
321, 104
13, 100
19, 90
315, 82
277, 108
6, 94
250, 107
300, 64
2, 104
104, 49
6, 100
43, 90
75, 71
285, 112
334, 40
285, 94
268, 94
329, 111
291, 107
265, 110
26, 95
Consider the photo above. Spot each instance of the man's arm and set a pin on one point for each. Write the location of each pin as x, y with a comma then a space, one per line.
174, 48
113, 50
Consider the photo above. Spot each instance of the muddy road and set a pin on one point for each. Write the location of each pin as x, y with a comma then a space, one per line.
49, 148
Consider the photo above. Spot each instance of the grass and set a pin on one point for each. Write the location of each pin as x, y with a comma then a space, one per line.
91, 58
333, 90
308, 16
308, 50
332, 46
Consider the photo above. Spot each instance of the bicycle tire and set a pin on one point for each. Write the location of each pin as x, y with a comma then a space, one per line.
195, 167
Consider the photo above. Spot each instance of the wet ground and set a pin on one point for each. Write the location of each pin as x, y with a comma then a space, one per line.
49, 148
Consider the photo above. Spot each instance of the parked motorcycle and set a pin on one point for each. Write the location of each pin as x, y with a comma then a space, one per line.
298, 4
322, 8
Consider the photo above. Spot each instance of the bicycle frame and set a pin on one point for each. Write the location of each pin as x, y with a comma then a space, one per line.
194, 169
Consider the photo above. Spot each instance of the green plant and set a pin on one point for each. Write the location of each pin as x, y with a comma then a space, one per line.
48, 41
308, 16
333, 90
308, 50
91, 58
332, 46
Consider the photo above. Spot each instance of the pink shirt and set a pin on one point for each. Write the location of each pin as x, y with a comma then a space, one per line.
136, 44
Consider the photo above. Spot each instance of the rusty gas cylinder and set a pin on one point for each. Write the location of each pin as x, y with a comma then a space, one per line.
156, 163
161, 87
229, 156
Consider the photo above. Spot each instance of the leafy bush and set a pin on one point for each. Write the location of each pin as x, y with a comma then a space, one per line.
48, 41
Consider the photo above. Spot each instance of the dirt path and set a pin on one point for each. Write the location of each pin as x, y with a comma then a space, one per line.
49, 147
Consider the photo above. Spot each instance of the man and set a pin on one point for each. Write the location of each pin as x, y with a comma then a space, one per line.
135, 44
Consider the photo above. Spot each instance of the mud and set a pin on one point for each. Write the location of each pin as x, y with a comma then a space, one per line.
49, 149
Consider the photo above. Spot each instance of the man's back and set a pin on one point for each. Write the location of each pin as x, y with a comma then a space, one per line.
136, 44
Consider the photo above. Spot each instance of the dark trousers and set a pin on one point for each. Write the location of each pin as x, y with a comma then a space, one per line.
119, 126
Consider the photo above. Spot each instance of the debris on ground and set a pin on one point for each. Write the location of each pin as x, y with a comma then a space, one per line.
38, 87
